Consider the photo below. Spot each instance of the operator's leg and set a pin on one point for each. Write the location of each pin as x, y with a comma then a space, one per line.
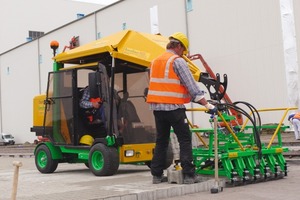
162, 141
296, 123
181, 128
100, 113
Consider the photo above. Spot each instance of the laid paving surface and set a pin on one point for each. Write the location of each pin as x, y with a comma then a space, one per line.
76, 182
125, 185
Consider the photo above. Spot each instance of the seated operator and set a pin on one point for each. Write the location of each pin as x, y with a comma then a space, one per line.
94, 110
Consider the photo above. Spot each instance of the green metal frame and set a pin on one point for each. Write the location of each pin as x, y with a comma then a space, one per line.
57, 152
240, 165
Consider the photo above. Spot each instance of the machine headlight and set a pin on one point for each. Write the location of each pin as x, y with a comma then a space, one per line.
129, 153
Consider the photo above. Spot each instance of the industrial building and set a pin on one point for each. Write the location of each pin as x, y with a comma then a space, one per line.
253, 42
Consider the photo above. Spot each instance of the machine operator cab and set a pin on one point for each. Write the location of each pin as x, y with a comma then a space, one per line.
125, 113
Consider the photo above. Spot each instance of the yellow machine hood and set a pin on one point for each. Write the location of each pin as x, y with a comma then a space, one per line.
131, 46
128, 45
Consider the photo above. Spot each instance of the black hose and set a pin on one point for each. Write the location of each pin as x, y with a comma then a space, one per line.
255, 117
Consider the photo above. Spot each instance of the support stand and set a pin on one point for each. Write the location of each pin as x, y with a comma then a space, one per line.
216, 188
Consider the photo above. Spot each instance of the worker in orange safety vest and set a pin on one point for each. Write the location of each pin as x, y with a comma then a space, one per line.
171, 86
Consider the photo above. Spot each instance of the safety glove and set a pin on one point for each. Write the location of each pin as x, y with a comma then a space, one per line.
213, 110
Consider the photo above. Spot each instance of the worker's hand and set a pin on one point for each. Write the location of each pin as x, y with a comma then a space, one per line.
96, 104
211, 109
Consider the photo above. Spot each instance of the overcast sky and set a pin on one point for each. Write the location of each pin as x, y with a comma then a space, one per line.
103, 2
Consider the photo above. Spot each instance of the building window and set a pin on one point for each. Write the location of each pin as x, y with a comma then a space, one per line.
28, 39
98, 35
40, 59
34, 34
189, 5
124, 26
80, 15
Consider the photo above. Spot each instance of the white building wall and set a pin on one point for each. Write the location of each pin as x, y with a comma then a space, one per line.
244, 40
84, 28
111, 20
18, 17
19, 83
240, 38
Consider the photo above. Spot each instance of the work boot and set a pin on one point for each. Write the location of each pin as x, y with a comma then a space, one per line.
191, 179
159, 179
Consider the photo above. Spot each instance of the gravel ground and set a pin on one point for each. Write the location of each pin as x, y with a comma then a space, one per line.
17, 148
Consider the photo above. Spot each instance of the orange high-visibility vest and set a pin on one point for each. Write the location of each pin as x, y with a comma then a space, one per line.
165, 86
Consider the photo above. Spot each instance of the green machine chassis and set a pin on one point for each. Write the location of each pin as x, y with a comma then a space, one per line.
240, 159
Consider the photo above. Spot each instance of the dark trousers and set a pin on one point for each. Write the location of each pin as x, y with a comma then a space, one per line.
164, 121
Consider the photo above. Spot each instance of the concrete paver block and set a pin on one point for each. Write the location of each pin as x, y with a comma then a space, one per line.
175, 176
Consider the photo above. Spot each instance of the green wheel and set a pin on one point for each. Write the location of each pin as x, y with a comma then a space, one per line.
43, 160
103, 160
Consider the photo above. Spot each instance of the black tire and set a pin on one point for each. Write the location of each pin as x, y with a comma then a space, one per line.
103, 160
169, 161
87, 165
43, 160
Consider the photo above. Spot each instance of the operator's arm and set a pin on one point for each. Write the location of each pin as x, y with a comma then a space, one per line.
85, 101
186, 78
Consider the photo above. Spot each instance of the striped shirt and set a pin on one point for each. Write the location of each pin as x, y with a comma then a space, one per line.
85, 100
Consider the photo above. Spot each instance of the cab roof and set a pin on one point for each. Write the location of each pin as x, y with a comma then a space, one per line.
129, 48
128, 45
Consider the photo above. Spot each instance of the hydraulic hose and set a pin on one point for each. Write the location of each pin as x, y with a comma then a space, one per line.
255, 119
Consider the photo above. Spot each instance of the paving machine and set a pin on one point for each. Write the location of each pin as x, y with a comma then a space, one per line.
116, 70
